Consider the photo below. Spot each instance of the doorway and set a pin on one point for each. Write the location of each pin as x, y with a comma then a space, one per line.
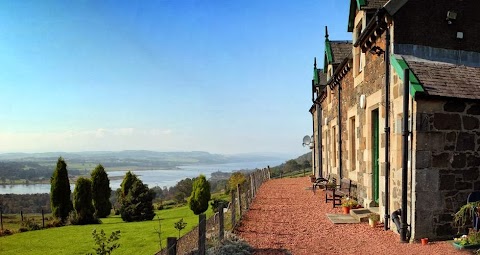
375, 155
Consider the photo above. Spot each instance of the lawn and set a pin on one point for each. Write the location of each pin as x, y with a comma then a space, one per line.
136, 237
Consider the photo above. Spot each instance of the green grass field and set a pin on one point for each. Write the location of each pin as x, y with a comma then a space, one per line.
136, 237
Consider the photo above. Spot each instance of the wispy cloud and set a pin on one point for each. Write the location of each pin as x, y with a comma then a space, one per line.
78, 140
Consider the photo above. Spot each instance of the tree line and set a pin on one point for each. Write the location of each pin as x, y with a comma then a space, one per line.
31, 171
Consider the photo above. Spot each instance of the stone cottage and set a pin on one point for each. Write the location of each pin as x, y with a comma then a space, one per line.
358, 111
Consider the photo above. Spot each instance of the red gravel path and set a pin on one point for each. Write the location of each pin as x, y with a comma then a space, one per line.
286, 216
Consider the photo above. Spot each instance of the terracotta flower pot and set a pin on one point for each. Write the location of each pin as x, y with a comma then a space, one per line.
424, 241
346, 209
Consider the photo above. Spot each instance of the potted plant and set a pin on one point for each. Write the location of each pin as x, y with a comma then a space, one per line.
312, 178
465, 214
348, 203
469, 241
373, 218
461, 218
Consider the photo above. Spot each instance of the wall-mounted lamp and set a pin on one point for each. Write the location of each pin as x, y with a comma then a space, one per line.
376, 50
451, 16
362, 102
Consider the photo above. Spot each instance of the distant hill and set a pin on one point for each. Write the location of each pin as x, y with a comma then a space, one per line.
300, 159
282, 168
136, 158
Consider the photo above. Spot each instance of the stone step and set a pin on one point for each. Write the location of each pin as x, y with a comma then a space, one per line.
360, 214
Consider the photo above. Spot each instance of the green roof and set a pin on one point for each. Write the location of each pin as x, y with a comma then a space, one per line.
399, 64
354, 6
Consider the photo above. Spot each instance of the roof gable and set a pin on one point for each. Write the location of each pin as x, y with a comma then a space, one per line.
356, 5
335, 51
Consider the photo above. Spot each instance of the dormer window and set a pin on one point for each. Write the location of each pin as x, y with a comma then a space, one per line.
358, 55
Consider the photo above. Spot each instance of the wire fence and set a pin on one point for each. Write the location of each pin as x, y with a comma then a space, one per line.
210, 232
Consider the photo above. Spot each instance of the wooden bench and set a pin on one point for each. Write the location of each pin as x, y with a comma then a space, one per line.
338, 192
320, 182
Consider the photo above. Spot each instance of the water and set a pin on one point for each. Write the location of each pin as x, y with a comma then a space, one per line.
151, 177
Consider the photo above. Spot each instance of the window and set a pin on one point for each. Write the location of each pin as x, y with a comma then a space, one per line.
358, 55
353, 150
334, 147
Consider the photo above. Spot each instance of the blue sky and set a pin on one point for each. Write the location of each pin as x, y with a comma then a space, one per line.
220, 76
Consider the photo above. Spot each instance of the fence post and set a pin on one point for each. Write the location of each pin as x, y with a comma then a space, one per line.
247, 202
202, 232
233, 207
171, 245
1, 218
43, 219
268, 169
239, 201
21, 214
221, 225
252, 184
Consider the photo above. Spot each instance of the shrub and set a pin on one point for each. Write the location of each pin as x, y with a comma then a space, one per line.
231, 245
105, 246
179, 225
216, 204
30, 224
5, 232
198, 200
236, 178
136, 199
82, 201
54, 223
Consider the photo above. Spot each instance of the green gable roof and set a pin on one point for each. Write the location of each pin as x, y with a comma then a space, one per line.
399, 64
354, 6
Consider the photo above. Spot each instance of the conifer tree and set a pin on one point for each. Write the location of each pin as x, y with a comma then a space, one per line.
82, 202
60, 192
198, 200
101, 192
136, 199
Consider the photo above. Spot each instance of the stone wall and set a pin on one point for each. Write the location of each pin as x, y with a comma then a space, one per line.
372, 87
423, 25
448, 162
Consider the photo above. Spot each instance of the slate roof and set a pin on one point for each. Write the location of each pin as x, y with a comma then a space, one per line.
340, 50
322, 78
446, 80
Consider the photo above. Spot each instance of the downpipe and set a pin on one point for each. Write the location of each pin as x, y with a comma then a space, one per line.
319, 132
387, 130
405, 133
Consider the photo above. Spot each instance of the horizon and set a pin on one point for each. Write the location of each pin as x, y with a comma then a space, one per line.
222, 77
277, 155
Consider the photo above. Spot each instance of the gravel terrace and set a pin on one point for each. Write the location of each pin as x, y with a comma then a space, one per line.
287, 216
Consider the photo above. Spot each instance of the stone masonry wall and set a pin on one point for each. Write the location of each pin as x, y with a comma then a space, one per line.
447, 163
373, 82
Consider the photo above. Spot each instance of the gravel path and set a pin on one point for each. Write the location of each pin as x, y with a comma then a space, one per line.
287, 217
